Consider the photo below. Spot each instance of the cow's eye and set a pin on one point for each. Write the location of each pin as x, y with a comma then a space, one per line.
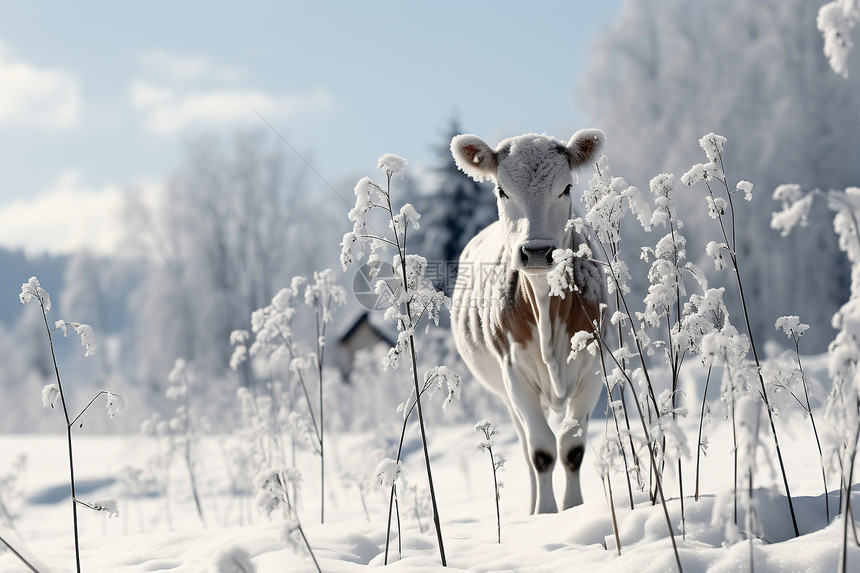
502, 194
566, 192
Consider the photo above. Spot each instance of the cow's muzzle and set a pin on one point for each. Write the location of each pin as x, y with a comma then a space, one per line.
536, 255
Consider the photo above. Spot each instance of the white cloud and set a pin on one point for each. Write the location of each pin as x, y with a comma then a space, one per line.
36, 97
68, 216
185, 68
168, 111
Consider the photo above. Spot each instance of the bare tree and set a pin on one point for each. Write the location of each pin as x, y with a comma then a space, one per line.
669, 71
233, 224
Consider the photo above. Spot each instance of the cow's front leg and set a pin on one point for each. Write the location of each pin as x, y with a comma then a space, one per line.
571, 451
571, 440
521, 434
539, 440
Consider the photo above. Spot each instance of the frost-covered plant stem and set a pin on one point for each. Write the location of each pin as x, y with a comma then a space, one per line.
675, 360
489, 431
734, 453
749, 519
853, 524
68, 434
187, 456
436, 522
371, 195
633, 332
189, 464
846, 509
320, 323
643, 417
164, 479
316, 425
622, 393
308, 545
399, 528
416, 508
659, 482
393, 501
391, 506
301, 531
361, 486
51, 392
402, 250
608, 481
701, 423
808, 408
496, 487
640, 352
7, 515
606, 384
736, 268
18, 555
650, 444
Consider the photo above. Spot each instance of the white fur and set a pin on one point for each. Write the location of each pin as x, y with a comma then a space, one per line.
533, 171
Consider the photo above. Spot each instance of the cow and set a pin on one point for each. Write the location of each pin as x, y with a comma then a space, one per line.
514, 337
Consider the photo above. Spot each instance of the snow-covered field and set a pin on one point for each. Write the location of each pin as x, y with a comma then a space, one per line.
144, 538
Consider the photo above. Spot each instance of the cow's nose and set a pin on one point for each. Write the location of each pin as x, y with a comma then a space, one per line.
536, 256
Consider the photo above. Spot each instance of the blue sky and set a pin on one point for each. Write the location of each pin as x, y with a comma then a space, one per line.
97, 98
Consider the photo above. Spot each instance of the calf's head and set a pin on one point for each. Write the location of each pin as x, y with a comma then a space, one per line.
533, 183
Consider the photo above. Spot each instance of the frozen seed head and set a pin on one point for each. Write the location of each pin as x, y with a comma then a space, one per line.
50, 393
88, 338
483, 426
238, 337
791, 326
388, 472
32, 289
107, 505
115, 404
747, 188
391, 164
713, 145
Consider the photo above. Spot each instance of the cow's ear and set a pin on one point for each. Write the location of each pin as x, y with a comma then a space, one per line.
583, 146
474, 157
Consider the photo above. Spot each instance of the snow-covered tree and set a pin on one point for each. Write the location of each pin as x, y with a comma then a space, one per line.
234, 223
452, 213
755, 72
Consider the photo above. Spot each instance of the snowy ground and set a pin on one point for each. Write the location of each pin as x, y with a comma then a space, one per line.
143, 539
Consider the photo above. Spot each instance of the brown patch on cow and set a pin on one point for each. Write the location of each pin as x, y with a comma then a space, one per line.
520, 317
517, 315
575, 312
